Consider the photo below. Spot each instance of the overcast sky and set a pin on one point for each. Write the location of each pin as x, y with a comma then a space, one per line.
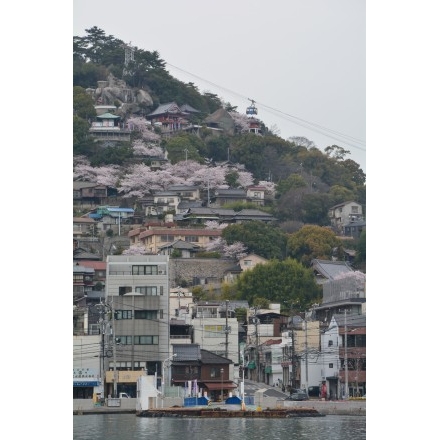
302, 62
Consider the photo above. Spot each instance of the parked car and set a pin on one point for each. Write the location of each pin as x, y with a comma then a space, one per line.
314, 391
297, 394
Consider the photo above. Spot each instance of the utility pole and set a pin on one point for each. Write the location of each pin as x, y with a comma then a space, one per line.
293, 357
226, 329
307, 360
345, 355
257, 354
115, 372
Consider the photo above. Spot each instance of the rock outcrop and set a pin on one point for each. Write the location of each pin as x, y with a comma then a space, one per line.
115, 91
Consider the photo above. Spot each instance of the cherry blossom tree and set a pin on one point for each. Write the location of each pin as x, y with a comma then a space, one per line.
235, 250
216, 245
106, 175
212, 224
141, 179
245, 179
141, 149
135, 249
143, 126
241, 121
356, 276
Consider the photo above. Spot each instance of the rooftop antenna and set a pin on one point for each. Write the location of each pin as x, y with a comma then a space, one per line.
129, 56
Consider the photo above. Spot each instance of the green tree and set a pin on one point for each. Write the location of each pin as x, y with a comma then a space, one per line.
315, 208
294, 181
360, 260
82, 142
277, 281
83, 105
177, 145
340, 194
265, 240
313, 241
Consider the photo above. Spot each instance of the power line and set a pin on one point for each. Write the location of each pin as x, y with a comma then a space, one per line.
290, 118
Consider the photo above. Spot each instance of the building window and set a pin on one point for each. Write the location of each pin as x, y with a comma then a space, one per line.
144, 270
161, 313
124, 290
213, 331
145, 314
247, 262
192, 239
355, 209
164, 238
124, 340
330, 365
330, 343
146, 290
123, 314
146, 340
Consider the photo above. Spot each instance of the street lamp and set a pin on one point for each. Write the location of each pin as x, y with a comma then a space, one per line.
221, 373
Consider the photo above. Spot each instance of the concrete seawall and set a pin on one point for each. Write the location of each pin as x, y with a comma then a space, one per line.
339, 407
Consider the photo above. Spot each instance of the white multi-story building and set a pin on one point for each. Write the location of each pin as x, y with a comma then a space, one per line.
137, 293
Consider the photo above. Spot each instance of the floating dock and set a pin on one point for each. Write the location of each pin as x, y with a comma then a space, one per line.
275, 413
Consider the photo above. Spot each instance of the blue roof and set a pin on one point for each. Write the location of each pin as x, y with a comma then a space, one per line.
120, 210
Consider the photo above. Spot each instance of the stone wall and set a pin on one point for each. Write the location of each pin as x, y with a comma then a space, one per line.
210, 270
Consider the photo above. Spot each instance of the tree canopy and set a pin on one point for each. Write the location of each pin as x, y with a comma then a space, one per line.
283, 282
265, 240
313, 241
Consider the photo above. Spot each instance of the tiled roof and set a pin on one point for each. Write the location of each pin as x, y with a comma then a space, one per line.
170, 107
330, 269
97, 265
108, 116
211, 358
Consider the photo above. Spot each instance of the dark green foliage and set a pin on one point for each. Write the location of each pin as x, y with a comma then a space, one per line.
265, 240
361, 252
208, 255
117, 155
315, 208
284, 281
83, 105
177, 145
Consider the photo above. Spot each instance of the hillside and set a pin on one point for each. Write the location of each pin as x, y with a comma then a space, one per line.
307, 180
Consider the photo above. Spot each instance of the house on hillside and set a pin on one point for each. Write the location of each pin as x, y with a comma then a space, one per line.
156, 239
108, 128
344, 213
83, 226
354, 228
229, 195
255, 194
90, 193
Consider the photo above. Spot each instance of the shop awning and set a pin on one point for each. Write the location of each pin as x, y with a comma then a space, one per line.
219, 386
